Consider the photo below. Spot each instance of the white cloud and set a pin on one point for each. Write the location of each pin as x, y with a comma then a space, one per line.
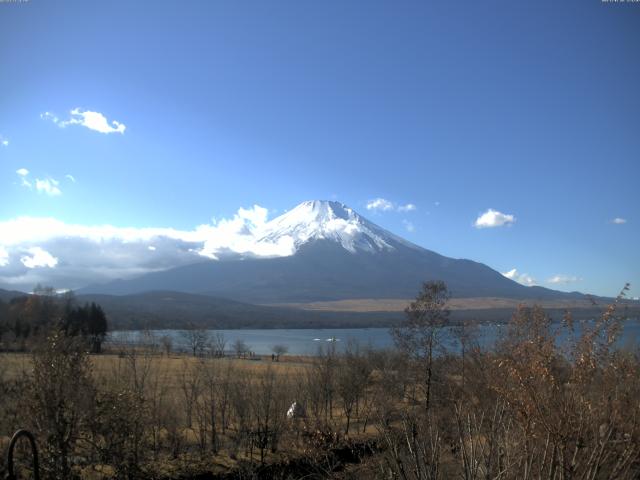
48, 186
70, 177
561, 279
522, 278
24, 173
409, 207
241, 234
619, 221
408, 226
379, 204
92, 120
91, 254
510, 274
4, 256
4, 141
38, 258
493, 218
383, 205
49, 116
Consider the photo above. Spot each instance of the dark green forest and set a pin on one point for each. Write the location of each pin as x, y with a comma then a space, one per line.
25, 320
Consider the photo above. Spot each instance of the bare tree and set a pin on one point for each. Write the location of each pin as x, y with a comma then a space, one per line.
571, 407
224, 395
240, 347
466, 333
167, 344
157, 404
419, 334
323, 380
352, 380
121, 424
211, 393
197, 339
268, 402
219, 344
240, 393
279, 350
61, 399
190, 385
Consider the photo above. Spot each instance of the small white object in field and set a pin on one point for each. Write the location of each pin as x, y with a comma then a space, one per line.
295, 411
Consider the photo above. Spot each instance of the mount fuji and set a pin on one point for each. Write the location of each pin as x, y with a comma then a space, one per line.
332, 221
334, 254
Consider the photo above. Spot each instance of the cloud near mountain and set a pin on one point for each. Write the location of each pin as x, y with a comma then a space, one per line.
521, 278
88, 254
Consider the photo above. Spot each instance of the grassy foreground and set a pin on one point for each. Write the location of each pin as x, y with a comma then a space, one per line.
528, 408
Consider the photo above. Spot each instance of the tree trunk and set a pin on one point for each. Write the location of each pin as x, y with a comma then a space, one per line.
429, 373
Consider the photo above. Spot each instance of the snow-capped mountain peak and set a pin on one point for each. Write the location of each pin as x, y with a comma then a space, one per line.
327, 220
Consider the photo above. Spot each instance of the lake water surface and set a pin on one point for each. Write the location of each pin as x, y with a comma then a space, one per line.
308, 341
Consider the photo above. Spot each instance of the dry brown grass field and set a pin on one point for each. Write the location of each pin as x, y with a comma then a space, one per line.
19, 365
398, 305
527, 408
175, 384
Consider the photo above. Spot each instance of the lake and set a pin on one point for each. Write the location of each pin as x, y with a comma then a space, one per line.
308, 341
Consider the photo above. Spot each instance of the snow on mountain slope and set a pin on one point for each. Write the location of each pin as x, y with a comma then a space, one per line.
325, 220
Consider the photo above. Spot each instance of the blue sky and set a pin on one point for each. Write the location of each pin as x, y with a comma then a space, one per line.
530, 109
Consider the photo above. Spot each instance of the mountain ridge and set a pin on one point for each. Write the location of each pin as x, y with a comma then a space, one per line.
337, 255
